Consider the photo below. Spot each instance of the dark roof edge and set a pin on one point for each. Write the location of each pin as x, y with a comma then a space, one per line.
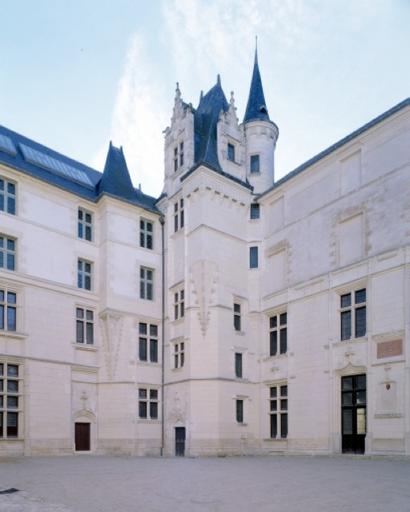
217, 171
132, 203
337, 145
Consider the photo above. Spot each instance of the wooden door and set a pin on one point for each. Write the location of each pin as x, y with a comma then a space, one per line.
82, 437
180, 441
353, 413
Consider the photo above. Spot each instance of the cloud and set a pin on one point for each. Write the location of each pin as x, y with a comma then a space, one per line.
138, 119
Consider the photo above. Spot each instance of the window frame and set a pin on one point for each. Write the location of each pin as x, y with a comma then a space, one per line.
230, 152
278, 333
240, 411
5, 252
179, 304
179, 214
251, 159
146, 236
146, 283
6, 394
237, 316
149, 400
83, 322
350, 311
253, 257
238, 365
255, 207
178, 355
148, 336
6, 196
83, 274
84, 224
6, 305
278, 410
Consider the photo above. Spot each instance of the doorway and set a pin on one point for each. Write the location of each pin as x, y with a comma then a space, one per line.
82, 437
179, 441
353, 413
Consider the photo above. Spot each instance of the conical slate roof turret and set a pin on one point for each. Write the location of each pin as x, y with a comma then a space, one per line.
256, 107
116, 179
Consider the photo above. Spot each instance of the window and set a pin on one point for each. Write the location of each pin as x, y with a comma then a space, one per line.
179, 217
231, 152
146, 234
278, 331
10, 399
8, 310
85, 224
84, 274
179, 304
175, 159
279, 411
239, 411
238, 365
255, 211
353, 314
179, 355
7, 252
148, 403
7, 196
85, 326
148, 342
255, 167
253, 257
181, 154
237, 317
146, 283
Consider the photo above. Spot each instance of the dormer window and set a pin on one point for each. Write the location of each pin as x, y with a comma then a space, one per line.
231, 152
255, 164
178, 156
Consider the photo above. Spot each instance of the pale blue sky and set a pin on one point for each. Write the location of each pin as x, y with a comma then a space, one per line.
75, 74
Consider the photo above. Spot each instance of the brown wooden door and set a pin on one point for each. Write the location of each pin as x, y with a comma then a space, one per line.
82, 437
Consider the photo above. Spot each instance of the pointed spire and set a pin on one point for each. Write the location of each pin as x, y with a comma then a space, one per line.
256, 107
177, 92
116, 179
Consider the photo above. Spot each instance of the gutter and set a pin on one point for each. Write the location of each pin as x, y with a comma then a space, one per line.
162, 222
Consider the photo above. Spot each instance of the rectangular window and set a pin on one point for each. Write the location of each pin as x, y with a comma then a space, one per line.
255, 167
181, 154
278, 332
253, 257
146, 234
8, 310
148, 403
179, 215
278, 411
179, 304
238, 365
231, 152
255, 211
353, 314
7, 196
179, 355
175, 159
146, 283
239, 411
85, 224
7, 252
237, 317
10, 399
85, 326
84, 274
148, 342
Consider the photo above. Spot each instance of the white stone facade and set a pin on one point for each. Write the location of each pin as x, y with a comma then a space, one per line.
340, 225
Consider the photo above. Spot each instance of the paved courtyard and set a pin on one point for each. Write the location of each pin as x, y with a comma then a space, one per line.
240, 484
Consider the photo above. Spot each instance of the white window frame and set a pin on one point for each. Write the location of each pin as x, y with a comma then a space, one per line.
281, 409
85, 224
179, 304
5, 394
5, 305
86, 320
148, 399
7, 195
353, 307
83, 274
146, 283
179, 354
151, 339
146, 234
5, 251
278, 327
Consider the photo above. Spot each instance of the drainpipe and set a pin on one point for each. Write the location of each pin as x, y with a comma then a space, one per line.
162, 222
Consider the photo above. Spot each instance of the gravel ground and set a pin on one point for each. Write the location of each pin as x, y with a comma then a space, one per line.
240, 484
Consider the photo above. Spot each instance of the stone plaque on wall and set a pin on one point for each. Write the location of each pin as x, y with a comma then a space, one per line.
389, 349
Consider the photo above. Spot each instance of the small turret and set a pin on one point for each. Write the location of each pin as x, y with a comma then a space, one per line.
261, 135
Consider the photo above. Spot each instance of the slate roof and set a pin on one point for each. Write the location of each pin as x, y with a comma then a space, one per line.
41, 162
256, 109
323, 154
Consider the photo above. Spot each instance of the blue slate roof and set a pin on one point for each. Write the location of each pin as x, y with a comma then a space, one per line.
256, 109
205, 123
41, 162
326, 152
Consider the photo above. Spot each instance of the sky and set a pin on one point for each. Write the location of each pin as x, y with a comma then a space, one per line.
76, 74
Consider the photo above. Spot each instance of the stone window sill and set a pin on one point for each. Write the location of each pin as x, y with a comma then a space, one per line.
148, 421
341, 343
148, 364
14, 334
87, 348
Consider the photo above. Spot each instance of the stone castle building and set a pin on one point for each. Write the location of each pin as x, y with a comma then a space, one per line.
235, 314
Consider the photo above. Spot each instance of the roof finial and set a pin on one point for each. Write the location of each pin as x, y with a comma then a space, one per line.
232, 100
218, 79
256, 48
177, 92
201, 95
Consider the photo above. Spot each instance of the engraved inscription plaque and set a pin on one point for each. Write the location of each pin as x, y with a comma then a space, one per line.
389, 349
